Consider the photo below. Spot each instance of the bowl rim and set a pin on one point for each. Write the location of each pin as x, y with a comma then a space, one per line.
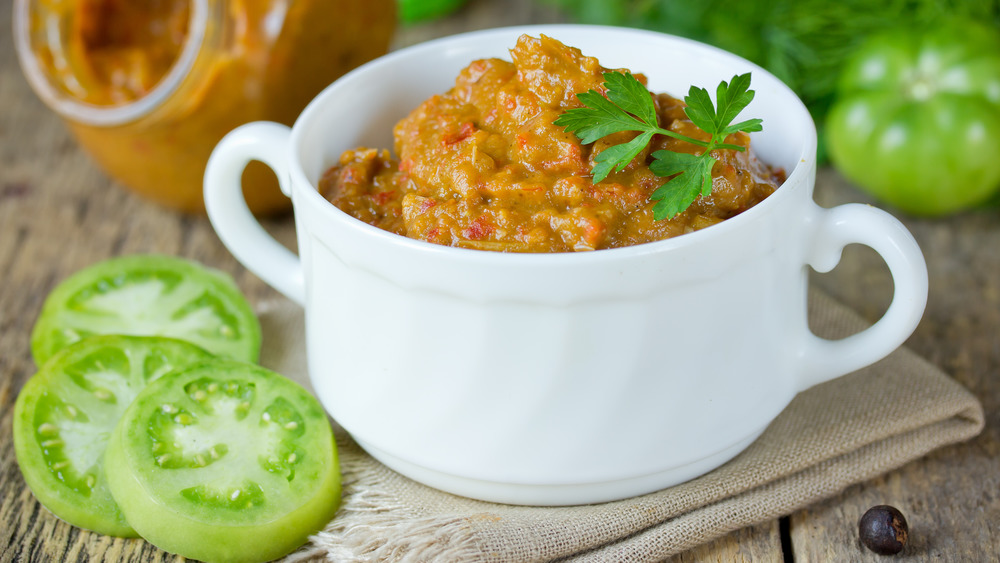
803, 172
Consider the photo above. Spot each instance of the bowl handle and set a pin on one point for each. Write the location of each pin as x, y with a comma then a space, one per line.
823, 359
227, 209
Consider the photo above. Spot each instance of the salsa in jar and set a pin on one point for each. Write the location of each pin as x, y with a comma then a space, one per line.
483, 166
149, 88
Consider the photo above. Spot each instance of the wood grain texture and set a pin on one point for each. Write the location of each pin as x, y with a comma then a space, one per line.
756, 543
59, 213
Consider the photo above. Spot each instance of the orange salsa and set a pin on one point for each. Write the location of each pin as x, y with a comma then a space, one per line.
121, 49
482, 166
253, 60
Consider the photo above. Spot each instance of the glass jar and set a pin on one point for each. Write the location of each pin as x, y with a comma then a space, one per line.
149, 87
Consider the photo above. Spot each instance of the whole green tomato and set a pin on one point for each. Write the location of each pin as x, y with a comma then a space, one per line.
917, 118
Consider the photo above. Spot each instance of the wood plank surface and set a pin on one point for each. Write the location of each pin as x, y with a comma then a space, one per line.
59, 213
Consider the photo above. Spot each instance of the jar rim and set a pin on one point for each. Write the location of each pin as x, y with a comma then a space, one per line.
90, 114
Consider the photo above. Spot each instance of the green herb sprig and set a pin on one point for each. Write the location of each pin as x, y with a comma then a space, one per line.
629, 107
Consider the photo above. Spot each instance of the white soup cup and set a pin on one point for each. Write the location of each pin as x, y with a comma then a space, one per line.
569, 378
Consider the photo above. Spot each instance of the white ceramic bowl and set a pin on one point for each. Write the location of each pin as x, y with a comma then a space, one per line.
559, 378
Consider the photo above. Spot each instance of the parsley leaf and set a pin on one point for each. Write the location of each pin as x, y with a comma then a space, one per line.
629, 106
601, 117
694, 178
630, 95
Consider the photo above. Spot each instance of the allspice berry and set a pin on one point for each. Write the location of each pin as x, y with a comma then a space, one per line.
883, 530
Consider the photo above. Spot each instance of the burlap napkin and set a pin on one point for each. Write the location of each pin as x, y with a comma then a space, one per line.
834, 435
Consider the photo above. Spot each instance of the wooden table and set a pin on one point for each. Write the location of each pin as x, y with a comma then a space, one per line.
59, 213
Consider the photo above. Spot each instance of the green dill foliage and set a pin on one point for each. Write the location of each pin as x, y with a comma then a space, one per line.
629, 107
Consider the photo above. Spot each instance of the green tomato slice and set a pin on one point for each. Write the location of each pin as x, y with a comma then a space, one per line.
225, 461
66, 412
149, 295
